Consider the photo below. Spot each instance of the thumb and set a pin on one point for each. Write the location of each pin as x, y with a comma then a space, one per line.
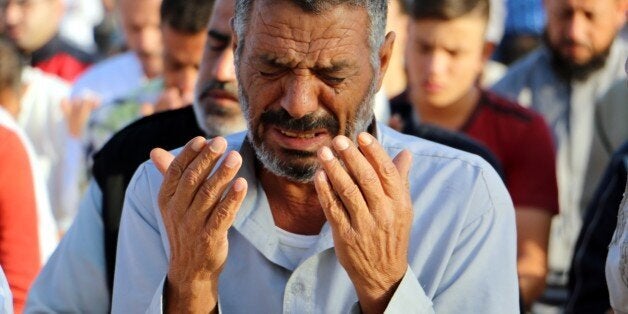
65, 106
162, 159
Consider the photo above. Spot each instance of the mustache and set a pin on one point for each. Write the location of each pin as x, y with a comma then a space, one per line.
228, 87
282, 119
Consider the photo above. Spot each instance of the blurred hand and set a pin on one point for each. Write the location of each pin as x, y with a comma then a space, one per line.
170, 99
77, 112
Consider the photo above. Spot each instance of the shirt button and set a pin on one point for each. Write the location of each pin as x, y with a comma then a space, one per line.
297, 288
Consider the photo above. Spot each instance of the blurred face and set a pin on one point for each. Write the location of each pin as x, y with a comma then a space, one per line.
30, 23
580, 30
216, 103
182, 58
304, 79
444, 59
140, 23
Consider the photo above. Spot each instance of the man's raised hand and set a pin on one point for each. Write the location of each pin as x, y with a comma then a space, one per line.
197, 218
367, 203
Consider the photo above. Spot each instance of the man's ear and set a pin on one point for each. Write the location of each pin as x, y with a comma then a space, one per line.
385, 53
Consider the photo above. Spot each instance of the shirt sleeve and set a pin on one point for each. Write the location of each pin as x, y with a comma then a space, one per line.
140, 272
480, 274
19, 245
74, 279
531, 171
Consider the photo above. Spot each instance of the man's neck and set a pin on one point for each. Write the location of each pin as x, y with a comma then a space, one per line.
295, 206
451, 117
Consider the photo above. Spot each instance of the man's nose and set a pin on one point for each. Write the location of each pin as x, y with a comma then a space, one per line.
11, 13
435, 63
300, 96
187, 80
577, 27
224, 69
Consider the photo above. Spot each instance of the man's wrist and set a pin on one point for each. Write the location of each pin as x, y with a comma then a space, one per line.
190, 297
376, 299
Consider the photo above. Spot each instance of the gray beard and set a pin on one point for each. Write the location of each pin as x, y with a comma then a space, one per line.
293, 171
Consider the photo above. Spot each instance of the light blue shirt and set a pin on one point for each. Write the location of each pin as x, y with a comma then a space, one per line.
74, 279
462, 252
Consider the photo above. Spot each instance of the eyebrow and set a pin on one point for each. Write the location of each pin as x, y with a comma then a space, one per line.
218, 35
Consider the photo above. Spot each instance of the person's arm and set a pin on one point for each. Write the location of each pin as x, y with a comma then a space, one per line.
193, 229
533, 227
74, 278
19, 245
531, 181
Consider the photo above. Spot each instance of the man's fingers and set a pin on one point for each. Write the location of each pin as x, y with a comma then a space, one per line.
162, 159
225, 212
173, 169
389, 175
197, 171
332, 205
212, 189
361, 170
345, 188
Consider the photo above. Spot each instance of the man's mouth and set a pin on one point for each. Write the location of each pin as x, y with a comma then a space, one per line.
297, 135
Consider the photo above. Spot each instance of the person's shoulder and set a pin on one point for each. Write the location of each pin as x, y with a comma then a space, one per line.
121, 67
508, 108
131, 146
518, 72
75, 52
38, 79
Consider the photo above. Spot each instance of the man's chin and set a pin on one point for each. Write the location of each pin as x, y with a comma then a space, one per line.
294, 165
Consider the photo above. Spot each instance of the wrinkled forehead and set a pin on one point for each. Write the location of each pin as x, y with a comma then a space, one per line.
286, 20
283, 28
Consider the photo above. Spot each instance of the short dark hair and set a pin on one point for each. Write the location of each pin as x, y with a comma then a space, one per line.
10, 66
447, 9
186, 16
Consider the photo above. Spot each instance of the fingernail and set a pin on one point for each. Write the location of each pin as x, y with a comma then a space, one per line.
365, 139
326, 154
217, 145
239, 185
198, 145
232, 160
341, 143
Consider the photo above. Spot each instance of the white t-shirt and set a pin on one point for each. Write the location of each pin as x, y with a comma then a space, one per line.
43, 121
295, 246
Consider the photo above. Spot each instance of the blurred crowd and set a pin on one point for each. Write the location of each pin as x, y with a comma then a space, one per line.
89, 87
